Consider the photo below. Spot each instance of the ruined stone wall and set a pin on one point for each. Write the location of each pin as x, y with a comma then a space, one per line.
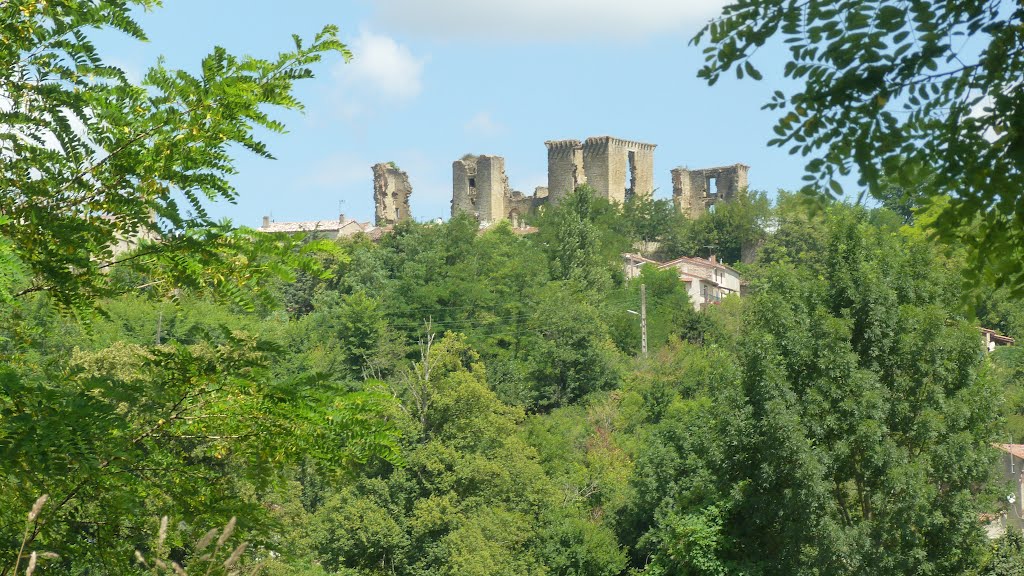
492, 188
519, 205
597, 161
391, 191
480, 187
615, 168
619, 169
693, 191
464, 192
565, 168
643, 170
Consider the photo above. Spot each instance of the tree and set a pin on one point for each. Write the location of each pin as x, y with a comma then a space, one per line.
568, 351
580, 239
851, 436
120, 433
733, 232
893, 90
649, 220
88, 160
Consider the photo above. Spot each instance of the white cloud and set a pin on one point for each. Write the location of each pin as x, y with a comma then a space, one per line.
483, 125
545, 20
381, 68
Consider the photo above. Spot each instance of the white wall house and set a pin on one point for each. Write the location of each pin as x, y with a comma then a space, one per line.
1011, 467
707, 280
333, 229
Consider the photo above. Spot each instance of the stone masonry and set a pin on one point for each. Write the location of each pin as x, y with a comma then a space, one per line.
480, 187
694, 191
391, 190
616, 169
565, 168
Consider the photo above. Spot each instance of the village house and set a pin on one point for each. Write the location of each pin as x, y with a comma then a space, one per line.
707, 281
993, 339
330, 229
1011, 468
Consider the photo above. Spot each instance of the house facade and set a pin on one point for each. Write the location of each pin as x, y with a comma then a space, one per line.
331, 229
707, 281
1011, 469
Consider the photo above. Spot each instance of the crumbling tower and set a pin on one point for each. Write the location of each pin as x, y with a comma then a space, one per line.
616, 169
391, 190
480, 187
694, 192
565, 168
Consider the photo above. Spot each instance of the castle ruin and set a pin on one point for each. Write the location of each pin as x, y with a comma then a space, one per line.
695, 192
391, 190
480, 187
616, 169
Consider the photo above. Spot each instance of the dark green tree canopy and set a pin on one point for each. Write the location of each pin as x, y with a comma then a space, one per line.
892, 90
88, 159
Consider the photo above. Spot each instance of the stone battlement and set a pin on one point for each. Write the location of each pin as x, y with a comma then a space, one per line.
606, 141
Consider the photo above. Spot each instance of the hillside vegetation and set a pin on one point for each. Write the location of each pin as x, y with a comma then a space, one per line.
450, 401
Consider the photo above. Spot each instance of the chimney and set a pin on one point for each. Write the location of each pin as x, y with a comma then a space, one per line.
266, 221
713, 259
341, 218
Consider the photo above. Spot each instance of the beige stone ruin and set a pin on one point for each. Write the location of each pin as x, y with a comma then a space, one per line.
616, 169
480, 187
391, 190
694, 192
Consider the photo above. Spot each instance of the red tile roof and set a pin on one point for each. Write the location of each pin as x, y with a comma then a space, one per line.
1015, 449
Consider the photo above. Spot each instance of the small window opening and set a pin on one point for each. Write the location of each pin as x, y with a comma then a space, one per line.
472, 182
712, 186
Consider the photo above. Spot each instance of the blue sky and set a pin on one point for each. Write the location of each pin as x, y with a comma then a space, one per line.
435, 79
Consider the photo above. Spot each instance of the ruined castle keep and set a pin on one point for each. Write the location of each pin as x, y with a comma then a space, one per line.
616, 169
391, 190
480, 187
694, 192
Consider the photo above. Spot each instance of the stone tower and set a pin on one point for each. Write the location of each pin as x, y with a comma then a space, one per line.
694, 191
480, 187
565, 168
616, 169
391, 190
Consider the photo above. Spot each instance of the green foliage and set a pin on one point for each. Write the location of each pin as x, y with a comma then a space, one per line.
888, 89
148, 409
650, 220
90, 160
580, 241
177, 427
733, 232
568, 350
473, 499
1007, 556
853, 439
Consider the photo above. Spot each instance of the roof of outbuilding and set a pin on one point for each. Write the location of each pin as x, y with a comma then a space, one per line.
1015, 449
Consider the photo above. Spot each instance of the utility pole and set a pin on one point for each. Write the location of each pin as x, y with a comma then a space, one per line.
643, 319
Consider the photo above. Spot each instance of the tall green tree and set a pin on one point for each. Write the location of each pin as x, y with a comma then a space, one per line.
89, 160
191, 425
891, 90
